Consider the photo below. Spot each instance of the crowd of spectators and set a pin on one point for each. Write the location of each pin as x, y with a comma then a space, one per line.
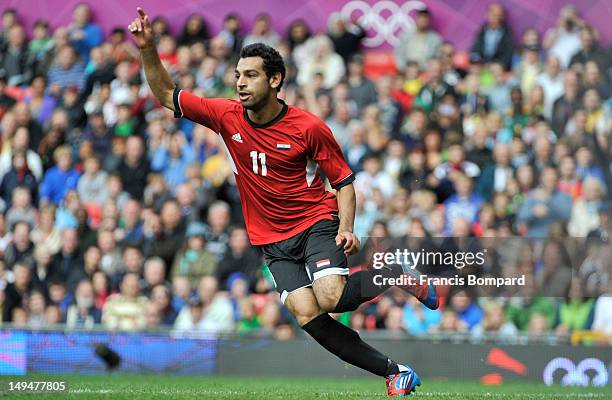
112, 212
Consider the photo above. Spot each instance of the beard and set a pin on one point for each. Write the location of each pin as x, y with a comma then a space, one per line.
253, 103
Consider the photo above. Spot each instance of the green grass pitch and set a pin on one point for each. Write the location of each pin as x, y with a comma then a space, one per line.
168, 387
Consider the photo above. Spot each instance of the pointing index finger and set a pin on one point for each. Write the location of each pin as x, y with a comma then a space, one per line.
141, 12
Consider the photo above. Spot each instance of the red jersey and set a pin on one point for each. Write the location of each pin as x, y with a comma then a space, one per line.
275, 164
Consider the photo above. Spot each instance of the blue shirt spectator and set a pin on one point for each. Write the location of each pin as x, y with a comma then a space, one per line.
60, 179
172, 160
83, 34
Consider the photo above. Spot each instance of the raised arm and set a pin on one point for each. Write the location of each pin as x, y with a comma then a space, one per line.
158, 78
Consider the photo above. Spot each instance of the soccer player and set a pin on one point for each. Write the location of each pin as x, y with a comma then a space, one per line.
304, 231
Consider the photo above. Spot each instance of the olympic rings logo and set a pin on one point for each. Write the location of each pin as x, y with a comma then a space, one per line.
577, 374
386, 19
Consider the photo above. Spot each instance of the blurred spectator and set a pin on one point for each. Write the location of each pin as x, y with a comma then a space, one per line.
16, 61
495, 178
450, 323
194, 30
218, 220
21, 208
529, 67
435, 88
373, 177
585, 216
494, 41
161, 297
322, 60
125, 310
65, 72
17, 292
418, 319
463, 303
110, 261
390, 109
240, 258
345, 36
154, 273
84, 34
567, 104
555, 273
36, 311
576, 312
563, 40
262, 32
590, 51
499, 93
231, 34
528, 303
210, 312
68, 263
171, 234
339, 124
60, 179
83, 313
193, 261
544, 205
21, 142
494, 322
171, 159
593, 79
60, 297
21, 249
552, 84
419, 45
134, 167
18, 178
43, 269
92, 184
45, 232
361, 89
538, 326
41, 104
9, 19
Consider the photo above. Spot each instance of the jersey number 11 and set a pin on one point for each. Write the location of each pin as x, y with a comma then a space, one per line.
262, 158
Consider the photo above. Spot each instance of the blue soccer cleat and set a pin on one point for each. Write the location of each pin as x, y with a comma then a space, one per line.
404, 383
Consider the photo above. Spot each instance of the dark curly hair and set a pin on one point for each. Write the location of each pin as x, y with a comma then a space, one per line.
272, 61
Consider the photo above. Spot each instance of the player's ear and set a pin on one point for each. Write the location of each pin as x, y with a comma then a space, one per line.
275, 80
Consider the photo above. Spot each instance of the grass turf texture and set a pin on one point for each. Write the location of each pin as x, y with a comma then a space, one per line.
167, 387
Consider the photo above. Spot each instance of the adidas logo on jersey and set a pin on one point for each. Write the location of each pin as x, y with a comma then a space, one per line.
236, 137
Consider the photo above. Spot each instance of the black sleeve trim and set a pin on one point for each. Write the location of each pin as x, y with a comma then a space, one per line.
346, 181
178, 113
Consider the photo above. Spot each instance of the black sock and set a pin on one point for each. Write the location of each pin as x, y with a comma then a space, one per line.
348, 346
360, 287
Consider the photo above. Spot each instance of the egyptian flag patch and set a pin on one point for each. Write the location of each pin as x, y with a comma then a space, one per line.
283, 146
323, 263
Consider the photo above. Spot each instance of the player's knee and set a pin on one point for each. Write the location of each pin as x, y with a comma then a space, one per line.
304, 315
328, 291
303, 308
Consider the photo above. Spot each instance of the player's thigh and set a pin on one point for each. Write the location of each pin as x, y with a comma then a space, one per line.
303, 304
328, 290
288, 275
326, 263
